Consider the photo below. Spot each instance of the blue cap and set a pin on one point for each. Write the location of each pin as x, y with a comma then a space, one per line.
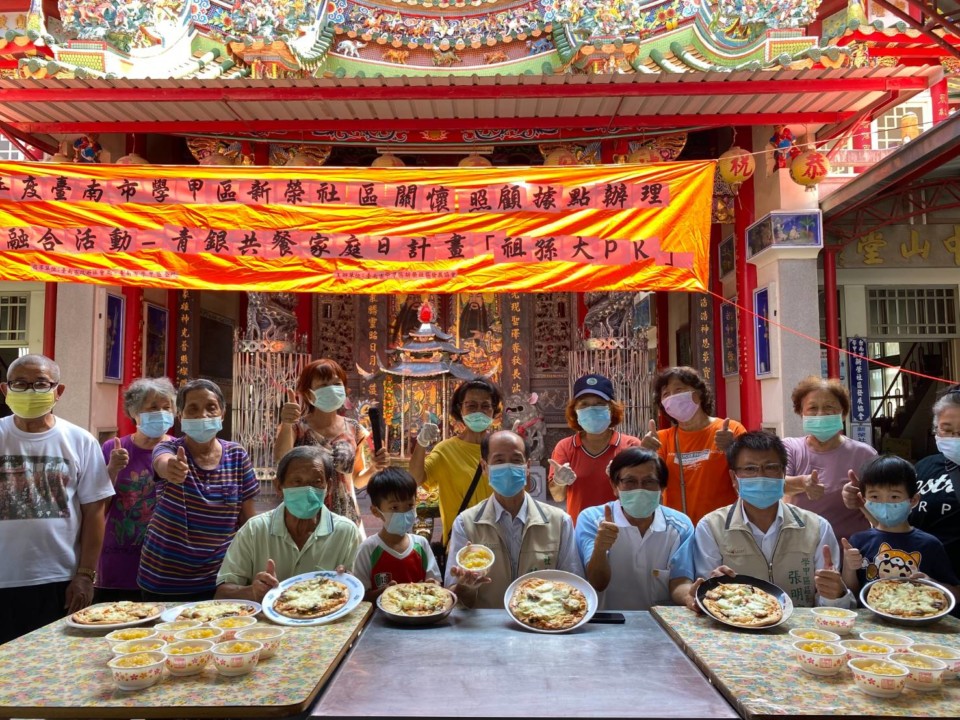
593, 385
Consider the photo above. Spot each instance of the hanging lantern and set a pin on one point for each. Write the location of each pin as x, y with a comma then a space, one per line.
560, 156
809, 168
60, 156
474, 160
736, 166
644, 156
131, 159
387, 159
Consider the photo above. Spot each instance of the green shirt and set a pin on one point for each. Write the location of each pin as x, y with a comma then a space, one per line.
265, 537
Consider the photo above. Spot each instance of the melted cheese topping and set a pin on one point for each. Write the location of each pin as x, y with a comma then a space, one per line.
547, 601
906, 598
740, 603
312, 594
118, 612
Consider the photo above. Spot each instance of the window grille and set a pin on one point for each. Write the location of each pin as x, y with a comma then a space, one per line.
921, 313
13, 319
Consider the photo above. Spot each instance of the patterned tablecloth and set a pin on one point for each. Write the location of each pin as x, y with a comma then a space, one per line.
758, 674
58, 671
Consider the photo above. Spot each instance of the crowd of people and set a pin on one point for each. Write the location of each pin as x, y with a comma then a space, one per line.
644, 520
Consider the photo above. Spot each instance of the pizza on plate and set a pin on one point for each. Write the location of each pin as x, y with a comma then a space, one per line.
314, 598
116, 613
906, 598
744, 605
416, 599
216, 609
548, 604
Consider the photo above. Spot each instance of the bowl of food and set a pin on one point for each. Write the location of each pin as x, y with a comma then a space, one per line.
864, 649
236, 657
131, 647
906, 601
837, 620
230, 625
187, 657
926, 673
201, 633
899, 643
126, 634
416, 603
167, 630
949, 655
267, 635
819, 658
813, 634
880, 678
476, 558
137, 671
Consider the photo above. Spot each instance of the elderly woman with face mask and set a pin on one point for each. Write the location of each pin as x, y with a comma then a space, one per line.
205, 492
149, 402
818, 462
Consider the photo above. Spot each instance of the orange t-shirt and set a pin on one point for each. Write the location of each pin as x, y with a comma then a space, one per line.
705, 470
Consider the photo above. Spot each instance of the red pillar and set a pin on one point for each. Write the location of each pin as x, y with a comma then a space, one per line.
173, 308
831, 310
663, 329
716, 287
305, 318
751, 410
132, 352
50, 319
940, 102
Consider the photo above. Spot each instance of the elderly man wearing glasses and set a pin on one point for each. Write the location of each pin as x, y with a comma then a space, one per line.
761, 536
54, 487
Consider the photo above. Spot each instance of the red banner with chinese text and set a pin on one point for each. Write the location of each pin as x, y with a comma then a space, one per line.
359, 230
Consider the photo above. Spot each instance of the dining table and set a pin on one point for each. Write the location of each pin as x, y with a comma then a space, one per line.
756, 670
59, 671
483, 664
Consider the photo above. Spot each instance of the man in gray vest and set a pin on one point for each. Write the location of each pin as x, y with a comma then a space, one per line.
524, 534
764, 537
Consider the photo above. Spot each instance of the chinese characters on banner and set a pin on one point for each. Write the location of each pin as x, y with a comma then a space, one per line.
859, 381
359, 230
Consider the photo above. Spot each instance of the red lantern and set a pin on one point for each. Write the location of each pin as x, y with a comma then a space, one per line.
809, 168
736, 166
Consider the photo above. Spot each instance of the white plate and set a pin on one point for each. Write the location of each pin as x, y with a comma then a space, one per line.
353, 583
578, 582
113, 626
897, 619
173, 614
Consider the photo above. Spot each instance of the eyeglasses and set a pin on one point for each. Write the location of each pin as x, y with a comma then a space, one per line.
40, 386
631, 484
772, 470
948, 433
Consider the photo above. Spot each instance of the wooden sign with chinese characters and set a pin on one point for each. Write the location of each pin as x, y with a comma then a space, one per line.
920, 246
359, 230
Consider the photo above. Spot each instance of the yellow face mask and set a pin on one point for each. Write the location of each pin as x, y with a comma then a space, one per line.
31, 404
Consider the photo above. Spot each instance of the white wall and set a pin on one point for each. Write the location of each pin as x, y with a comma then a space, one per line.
36, 294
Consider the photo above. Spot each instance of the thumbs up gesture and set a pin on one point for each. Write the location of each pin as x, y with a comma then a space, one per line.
290, 411
265, 581
607, 532
428, 435
853, 498
562, 474
177, 467
651, 441
813, 487
851, 556
827, 580
118, 461
724, 437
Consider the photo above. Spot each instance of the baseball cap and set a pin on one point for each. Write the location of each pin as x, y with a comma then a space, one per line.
593, 385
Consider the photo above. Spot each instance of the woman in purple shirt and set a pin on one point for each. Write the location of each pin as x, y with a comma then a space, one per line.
149, 402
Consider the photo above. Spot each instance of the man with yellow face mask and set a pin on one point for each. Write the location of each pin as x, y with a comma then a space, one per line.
54, 488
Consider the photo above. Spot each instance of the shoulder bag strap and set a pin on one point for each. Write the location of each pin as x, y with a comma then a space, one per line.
679, 456
473, 486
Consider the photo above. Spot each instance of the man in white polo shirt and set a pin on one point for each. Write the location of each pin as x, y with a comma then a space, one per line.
630, 547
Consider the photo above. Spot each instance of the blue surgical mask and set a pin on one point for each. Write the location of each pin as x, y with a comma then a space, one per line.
640, 504
508, 480
822, 427
950, 447
400, 523
201, 430
477, 422
155, 424
889, 514
761, 492
594, 419
303, 502
329, 398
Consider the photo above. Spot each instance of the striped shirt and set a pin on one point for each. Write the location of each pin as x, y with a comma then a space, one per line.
194, 523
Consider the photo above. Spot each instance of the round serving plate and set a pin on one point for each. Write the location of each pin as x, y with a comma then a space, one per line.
353, 584
786, 604
554, 575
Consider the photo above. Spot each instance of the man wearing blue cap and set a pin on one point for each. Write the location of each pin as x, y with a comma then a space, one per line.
578, 466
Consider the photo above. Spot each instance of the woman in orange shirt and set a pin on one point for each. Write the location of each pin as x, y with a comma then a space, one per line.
694, 446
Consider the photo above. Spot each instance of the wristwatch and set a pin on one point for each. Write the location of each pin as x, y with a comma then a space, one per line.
92, 574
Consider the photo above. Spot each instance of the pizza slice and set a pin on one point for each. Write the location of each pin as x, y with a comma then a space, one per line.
313, 598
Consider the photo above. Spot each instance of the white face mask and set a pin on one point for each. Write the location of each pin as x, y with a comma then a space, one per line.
950, 447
